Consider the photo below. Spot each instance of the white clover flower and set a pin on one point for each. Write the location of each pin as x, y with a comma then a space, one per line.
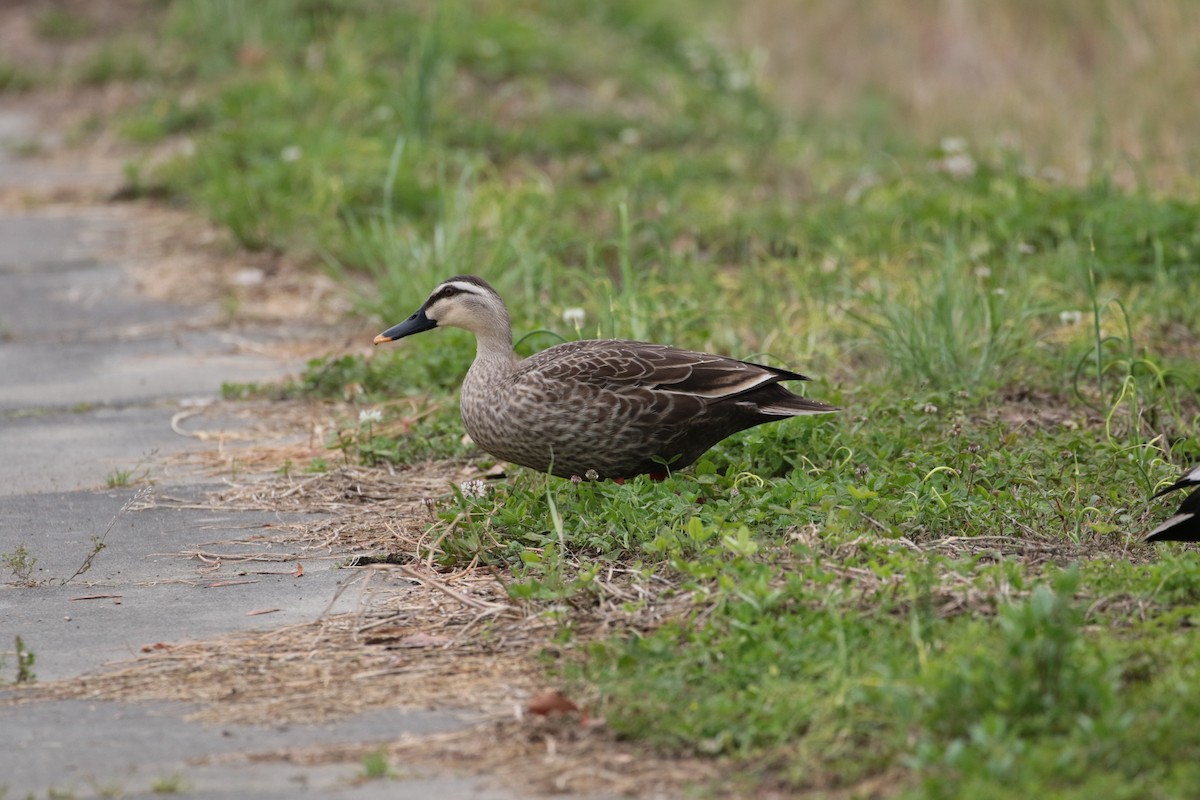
983, 272
959, 165
369, 415
473, 488
930, 408
1070, 317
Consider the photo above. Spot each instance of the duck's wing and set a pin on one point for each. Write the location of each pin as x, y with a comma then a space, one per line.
614, 365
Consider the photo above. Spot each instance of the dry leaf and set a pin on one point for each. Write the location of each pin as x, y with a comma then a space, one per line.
299, 573
549, 701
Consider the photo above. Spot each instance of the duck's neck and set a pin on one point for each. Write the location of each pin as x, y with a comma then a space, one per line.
493, 343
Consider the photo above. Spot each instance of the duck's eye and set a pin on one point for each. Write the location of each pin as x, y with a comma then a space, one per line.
449, 291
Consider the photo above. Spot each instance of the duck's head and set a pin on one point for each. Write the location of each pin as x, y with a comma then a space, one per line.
464, 301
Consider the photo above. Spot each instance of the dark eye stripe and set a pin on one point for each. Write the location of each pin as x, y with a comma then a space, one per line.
451, 290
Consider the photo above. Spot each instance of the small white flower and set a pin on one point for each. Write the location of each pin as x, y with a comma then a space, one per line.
959, 165
930, 408
574, 316
473, 488
591, 475
983, 273
954, 144
291, 153
369, 415
1070, 317
251, 276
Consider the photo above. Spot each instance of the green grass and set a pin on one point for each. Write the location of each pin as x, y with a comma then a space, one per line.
375, 765
939, 592
15, 78
58, 23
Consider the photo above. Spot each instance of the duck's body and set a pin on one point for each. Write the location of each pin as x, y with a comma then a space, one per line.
604, 408
1184, 525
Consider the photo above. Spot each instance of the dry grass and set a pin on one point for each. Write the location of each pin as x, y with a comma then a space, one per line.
1076, 85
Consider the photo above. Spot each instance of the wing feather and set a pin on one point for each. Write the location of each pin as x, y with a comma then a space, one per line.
617, 365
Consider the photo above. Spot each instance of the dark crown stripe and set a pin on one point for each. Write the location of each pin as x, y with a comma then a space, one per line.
465, 281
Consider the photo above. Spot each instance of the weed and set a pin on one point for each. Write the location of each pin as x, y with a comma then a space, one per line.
119, 478
1041, 677
97, 545
112, 789
375, 765
961, 330
169, 784
98, 542
112, 62
25, 662
20, 562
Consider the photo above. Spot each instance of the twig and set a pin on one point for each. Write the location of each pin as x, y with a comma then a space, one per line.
466, 600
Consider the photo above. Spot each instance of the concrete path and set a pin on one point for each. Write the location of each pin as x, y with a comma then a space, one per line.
90, 377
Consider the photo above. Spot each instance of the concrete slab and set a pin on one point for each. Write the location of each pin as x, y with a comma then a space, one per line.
19, 131
54, 450
29, 242
82, 300
159, 594
87, 748
52, 375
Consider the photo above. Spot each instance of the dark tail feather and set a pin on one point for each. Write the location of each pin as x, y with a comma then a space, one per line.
1183, 526
1179, 528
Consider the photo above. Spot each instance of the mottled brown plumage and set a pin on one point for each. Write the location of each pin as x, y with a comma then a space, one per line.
604, 408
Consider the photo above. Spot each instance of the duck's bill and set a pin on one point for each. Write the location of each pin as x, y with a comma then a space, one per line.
415, 324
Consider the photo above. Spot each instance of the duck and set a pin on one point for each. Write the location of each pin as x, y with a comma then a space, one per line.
598, 408
1184, 524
